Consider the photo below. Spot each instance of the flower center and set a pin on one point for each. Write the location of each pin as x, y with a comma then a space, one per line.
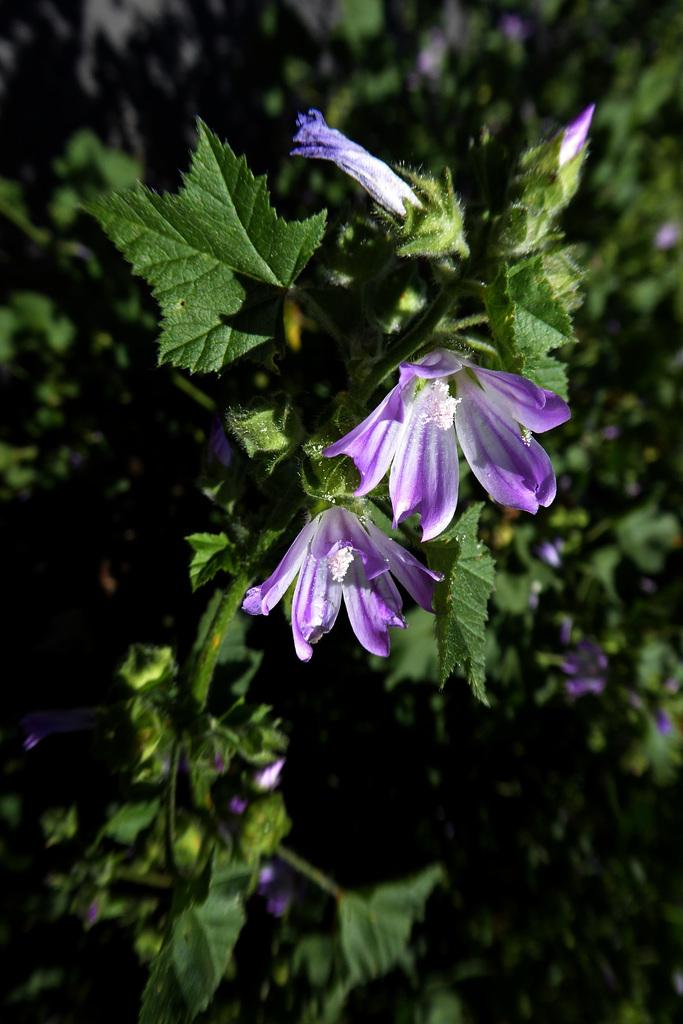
340, 562
439, 405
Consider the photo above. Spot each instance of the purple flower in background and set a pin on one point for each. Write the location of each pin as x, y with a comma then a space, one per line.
663, 722
268, 778
39, 724
238, 805
315, 139
414, 430
667, 235
336, 556
278, 885
574, 135
218, 446
587, 667
514, 27
550, 552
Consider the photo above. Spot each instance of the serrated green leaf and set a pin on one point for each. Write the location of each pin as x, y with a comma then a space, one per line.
375, 929
217, 256
213, 552
188, 968
461, 599
205, 933
528, 319
162, 1000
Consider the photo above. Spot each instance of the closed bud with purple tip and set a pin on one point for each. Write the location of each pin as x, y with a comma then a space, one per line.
413, 432
575, 134
315, 138
336, 556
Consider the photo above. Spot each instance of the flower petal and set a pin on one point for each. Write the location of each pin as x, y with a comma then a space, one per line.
439, 363
316, 139
533, 407
369, 609
424, 472
315, 606
515, 472
260, 600
417, 579
373, 442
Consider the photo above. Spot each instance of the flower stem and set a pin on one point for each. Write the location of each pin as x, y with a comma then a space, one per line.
406, 346
322, 880
280, 518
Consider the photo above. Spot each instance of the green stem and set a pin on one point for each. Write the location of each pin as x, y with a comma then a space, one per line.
193, 391
320, 316
322, 880
470, 321
280, 518
169, 832
479, 344
413, 339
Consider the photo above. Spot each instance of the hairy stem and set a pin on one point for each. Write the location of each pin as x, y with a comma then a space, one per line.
322, 880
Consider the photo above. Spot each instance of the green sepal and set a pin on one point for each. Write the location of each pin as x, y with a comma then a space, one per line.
461, 598
529, 317
147, 668
539, 193
332, 478
269, 430
437, 227
213, 553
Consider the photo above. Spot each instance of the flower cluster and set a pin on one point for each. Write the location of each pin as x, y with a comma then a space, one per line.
441, 402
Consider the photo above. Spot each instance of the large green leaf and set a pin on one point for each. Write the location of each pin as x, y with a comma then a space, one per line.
217, 256
187, 970
375, 929
461, 599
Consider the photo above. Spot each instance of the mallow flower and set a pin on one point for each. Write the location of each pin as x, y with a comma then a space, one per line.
316, 139
413, 431
336, 556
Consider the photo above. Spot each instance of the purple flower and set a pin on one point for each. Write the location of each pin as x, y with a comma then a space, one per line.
514, 27
316, 139
39, 724
574, 135
667, 235
550, 552
414, 429
278, 885
587, 666
336, 556
663, 722
218, 447
268, 778
238, 805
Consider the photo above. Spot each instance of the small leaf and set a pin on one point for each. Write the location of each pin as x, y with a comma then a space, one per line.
217, 256
461, 599
213, 553
130, 820
375, 929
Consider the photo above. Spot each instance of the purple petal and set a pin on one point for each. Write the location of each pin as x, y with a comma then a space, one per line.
316, 139
439, 363
533, 407
39, 724
369, 616
341, 528
373, 442
515, 471
269, 777
417, 579
575, 133
424, 473
261, 600
315, 607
